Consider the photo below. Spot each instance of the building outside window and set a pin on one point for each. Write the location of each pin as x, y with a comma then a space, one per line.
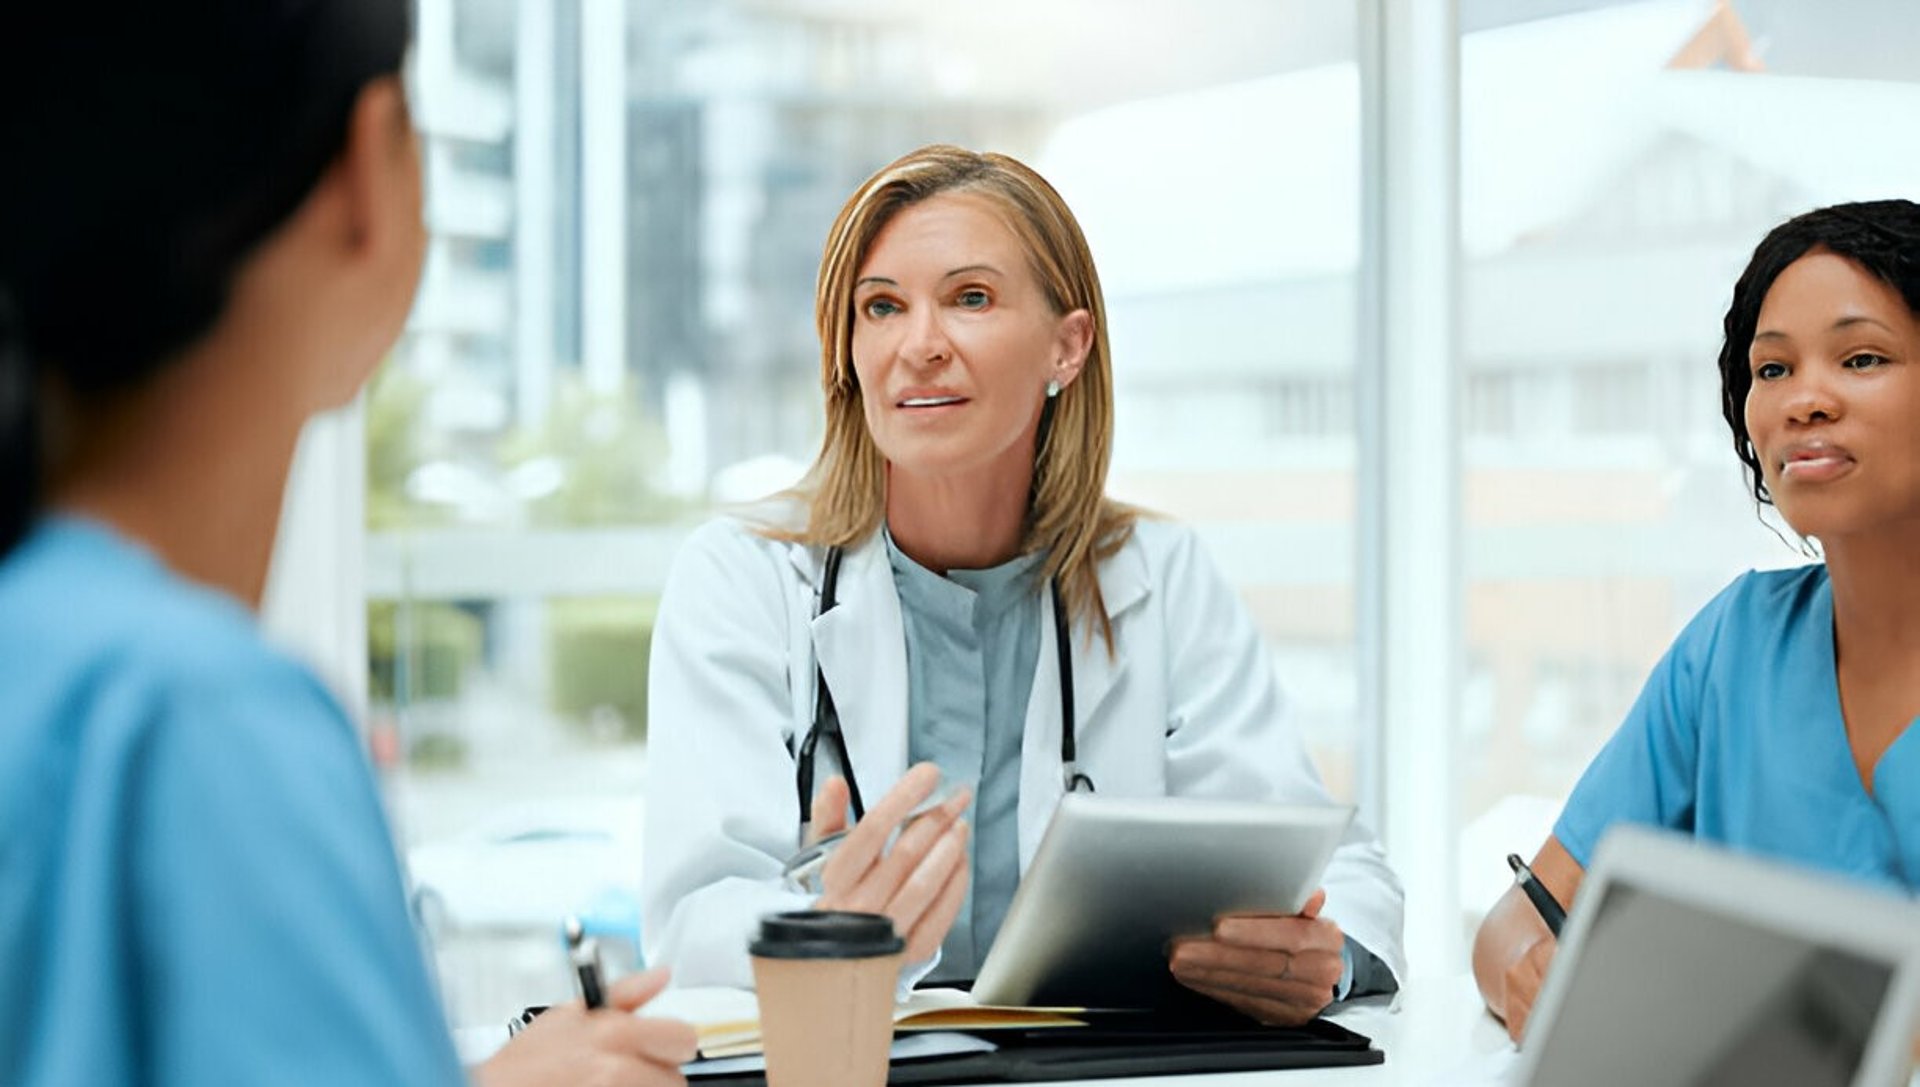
614, 338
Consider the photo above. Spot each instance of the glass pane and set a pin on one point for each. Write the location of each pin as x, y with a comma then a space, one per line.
1620, 162
615, 334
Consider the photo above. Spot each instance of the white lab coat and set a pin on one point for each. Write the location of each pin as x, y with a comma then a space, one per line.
1187, 706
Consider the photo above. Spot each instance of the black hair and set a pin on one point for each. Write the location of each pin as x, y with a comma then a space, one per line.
1881, 236
150, 148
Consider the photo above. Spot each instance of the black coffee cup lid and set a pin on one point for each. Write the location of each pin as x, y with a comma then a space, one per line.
826, 934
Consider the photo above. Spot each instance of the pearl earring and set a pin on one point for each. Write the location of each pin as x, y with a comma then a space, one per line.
1053, 389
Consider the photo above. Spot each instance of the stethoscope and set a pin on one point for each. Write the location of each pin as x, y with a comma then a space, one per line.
826, 718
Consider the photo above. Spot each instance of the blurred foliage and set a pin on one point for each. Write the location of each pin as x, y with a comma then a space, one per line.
445, 642
607, 449
437, 751
395, 402
598, 649
609, 452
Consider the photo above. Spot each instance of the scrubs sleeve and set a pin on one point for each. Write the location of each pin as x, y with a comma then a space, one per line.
274, 941
1647, 773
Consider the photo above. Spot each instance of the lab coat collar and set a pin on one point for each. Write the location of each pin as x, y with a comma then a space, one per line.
861, 646
1124, 584
862, 649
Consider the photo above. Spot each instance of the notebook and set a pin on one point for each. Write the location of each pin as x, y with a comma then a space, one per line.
1125, 1047
728, 1024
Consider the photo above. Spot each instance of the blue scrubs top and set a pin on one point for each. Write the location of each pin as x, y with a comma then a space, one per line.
197, 882
1738, 738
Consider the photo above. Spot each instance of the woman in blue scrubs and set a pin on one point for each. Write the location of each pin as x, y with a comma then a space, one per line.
1781, 720
210, 227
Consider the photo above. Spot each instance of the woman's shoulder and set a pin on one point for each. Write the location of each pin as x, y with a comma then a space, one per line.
1161, 547
1765, 604
1775, 591
1164, 564
81, 595
755, 533
738, 555
111, 642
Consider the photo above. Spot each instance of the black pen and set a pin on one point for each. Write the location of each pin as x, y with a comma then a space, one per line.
1537, 893
584, 955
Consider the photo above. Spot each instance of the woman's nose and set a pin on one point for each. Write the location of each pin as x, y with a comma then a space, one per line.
926, 340
1811, 398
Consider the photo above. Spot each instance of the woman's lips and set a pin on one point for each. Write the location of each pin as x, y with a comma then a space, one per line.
930, 403
1816, 465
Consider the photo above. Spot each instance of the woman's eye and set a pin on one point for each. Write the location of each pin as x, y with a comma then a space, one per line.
880, 307
1768, 371
973, 299
1865, 360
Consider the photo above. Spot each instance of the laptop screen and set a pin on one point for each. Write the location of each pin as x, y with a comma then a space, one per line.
1666, 993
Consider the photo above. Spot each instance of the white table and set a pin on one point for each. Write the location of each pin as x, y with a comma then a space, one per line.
1435, 1034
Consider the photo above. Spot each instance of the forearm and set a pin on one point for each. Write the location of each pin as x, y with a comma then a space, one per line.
1510, 928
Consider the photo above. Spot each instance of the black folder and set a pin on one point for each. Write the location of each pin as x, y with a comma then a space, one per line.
1115, 1048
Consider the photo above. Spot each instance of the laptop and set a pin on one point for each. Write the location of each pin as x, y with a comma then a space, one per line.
1686, 964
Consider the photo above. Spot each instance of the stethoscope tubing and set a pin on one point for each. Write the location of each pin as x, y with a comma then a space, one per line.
826, 716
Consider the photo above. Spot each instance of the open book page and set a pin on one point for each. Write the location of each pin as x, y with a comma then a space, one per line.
722, 1018
951, 1009
727, 1021
911, 1047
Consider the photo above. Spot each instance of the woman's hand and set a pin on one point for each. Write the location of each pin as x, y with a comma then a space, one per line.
1278, 969
1513, 948
569, 1046
921, 881
1523, 980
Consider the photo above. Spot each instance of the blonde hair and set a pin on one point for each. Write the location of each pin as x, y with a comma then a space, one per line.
1072, 521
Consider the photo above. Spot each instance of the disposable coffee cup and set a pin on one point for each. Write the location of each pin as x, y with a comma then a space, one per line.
825, 981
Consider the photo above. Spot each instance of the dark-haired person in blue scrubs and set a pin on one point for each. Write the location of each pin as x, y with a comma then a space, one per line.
1781, 722
210, 227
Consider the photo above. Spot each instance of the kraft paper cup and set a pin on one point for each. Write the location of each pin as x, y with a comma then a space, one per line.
825, 982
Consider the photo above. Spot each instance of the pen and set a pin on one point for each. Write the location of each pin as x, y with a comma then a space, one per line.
1537, 893
584, 956
802, 871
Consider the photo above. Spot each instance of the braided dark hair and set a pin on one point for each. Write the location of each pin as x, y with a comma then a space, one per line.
1881, 236
150, 149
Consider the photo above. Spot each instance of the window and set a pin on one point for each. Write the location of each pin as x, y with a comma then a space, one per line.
1619, 164
627, 203
615, 333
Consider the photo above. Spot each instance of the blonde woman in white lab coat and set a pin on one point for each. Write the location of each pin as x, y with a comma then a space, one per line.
958, 508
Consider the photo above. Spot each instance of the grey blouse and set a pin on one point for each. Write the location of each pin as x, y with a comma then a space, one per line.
973, 639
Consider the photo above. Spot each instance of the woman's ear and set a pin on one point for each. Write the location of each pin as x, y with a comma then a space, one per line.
380, 172
1074, 342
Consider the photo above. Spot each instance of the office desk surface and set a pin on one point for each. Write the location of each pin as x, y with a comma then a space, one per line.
1436, 1034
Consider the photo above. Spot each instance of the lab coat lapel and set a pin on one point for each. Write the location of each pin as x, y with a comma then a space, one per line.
1123, 585
862, 649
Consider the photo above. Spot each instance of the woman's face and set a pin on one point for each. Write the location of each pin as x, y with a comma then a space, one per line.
1834, 411
954, 340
